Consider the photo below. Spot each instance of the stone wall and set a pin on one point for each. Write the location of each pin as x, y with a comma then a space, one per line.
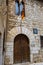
15, 25
2, 28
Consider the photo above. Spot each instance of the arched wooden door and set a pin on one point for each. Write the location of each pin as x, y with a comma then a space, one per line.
21, 49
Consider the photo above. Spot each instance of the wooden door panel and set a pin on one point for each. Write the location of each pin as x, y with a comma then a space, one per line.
17, 51
25, 48
21, 50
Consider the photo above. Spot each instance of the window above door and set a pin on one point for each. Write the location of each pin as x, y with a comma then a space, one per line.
20, 8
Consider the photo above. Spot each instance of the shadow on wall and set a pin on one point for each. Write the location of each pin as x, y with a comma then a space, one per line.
0, 37
40, 0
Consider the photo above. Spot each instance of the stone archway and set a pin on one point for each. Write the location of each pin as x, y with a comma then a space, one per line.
21, 49
16, 31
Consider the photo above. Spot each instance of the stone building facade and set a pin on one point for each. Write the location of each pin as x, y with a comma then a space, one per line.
13, 25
